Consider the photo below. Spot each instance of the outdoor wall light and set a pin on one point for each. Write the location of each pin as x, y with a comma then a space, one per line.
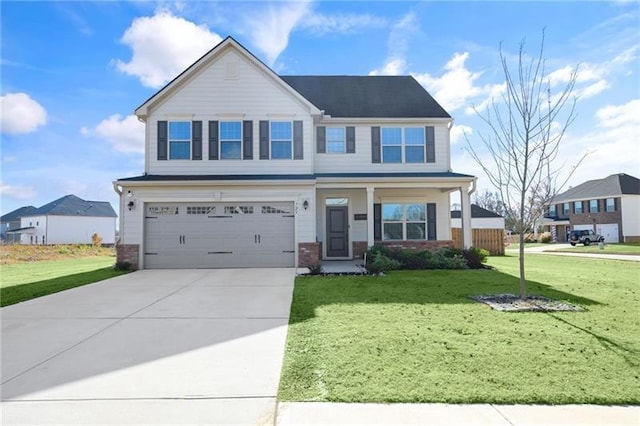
305, 204
131, 205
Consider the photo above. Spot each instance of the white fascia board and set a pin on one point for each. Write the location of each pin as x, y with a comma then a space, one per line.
216, 183
451, 184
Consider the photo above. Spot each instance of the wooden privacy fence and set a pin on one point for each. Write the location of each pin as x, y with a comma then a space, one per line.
488, 239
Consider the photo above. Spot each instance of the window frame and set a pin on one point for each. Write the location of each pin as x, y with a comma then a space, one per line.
272, 140
553, 210
404, 221
593, 209
327, 141
566, 208
613, 205
403, 144
171, 141
221, 140
575, 207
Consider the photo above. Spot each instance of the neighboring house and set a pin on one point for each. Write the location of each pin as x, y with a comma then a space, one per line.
68, 220
11, 222
609, 206
480, 219
246, 168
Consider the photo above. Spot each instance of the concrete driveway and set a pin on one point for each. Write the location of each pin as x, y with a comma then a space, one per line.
170, 346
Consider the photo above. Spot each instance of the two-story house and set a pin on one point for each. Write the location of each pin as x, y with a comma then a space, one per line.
608, 206
247, 168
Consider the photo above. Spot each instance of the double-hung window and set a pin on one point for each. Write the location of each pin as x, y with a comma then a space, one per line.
593, 206
336, 140
403, 144
610, 205
281, 140
552, 210
404, 221
179, 140
230, 140
565, 209
577, 207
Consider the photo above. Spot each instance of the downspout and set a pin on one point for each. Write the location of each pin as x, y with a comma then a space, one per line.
118, 191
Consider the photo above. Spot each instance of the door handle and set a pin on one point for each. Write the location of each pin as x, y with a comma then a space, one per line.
258, 238
255, 239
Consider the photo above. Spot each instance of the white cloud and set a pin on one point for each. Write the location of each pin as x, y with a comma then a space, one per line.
21, 114
164, 45
458, 131
124, 134
396, 66
320, 24
398, 42
269, 28
18, 192
621, 116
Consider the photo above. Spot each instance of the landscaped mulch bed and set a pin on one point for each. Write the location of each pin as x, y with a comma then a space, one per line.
513, 303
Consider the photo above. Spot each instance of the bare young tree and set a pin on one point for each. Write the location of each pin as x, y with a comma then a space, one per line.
523, 133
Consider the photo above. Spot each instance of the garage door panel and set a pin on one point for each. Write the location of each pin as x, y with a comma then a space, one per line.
218, 235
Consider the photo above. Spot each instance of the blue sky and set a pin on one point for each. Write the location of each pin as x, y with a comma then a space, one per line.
73, 72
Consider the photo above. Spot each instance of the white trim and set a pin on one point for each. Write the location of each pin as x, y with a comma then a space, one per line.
382, 120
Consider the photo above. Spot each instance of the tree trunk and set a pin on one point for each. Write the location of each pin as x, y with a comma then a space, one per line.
523, 283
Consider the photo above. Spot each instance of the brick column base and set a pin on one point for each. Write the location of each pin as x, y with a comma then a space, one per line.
359, 249
308, 254
128, 253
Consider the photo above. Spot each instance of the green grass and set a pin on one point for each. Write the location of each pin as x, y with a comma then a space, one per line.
608, 249
27, 280
415, 336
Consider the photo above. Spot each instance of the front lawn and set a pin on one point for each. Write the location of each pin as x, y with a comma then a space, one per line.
415, 336
27, 280
608, 249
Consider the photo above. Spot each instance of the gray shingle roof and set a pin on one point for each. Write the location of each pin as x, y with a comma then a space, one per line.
70, 205
611, 186
367, 96
17, 214
476, 211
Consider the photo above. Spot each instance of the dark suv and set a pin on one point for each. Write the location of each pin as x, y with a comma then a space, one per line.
585, 237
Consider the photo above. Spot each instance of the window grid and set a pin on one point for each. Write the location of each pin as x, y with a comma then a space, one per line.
593, 206
238, 210
200, 210
577, 207
281, 140
552, 210
565, 209
274, 210
179, 140
164, 210
403, 144
404, 221
336, 140
230, 140
610, 205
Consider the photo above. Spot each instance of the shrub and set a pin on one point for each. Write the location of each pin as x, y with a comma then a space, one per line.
122, 266
475, 257
381, 263
546, 237
315, 269
442, 260
449, 251
378, 249
96, 240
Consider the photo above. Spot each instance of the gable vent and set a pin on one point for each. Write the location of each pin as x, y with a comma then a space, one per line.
231, 71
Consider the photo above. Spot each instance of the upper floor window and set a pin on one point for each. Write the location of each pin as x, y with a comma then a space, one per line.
336, 140
179, 140
552, 210
610, 205
577, 207
281, 140
565, 209
593, 206
403, 143
230, 140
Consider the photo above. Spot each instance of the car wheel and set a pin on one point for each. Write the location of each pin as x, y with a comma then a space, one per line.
587, 242
573, 244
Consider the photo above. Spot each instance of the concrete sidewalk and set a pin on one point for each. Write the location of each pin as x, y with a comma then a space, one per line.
552, 250
335, 414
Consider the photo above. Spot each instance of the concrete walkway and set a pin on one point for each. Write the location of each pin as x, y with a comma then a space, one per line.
551, 250
317, 414
151, 347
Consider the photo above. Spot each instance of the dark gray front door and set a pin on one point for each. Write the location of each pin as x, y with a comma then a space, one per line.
337, 231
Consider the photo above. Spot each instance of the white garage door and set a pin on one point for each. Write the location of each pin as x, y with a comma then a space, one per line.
609, 231
218, 235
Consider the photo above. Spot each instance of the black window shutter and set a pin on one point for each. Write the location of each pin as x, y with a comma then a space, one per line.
213, 140
321, 139
351, 140
375, 144
431, 221
162, 140
264, 140
196, 140
298, 153
430, 144
377, 222
247, 140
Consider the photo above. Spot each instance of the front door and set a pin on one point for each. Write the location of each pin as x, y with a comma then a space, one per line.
337, 231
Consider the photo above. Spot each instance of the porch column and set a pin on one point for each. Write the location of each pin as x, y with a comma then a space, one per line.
465, 218
370, 191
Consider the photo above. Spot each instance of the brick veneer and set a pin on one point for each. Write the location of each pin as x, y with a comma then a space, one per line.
128, 253
416, 245
308, 254
359, 249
